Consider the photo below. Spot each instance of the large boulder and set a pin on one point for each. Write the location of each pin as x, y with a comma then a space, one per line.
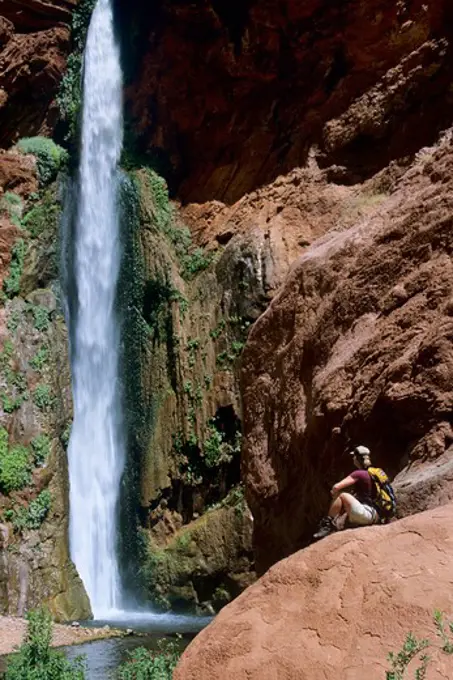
337, 608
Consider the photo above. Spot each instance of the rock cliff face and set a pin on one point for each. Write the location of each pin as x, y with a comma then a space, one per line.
292, 135
235, 93
337, 609
356, 347
34, 44
35, 403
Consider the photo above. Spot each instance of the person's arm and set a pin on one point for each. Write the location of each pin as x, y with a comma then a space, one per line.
339, 486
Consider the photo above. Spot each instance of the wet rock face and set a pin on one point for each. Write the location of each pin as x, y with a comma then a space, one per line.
34, 44
336, 609
35, 403
235, 93
355, 348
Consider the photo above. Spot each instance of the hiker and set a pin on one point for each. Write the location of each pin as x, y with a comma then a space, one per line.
372, 500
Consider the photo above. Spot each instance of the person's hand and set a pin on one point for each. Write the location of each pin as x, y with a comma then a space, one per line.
334, 491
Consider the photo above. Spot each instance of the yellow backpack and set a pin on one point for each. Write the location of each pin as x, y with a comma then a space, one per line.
385, 500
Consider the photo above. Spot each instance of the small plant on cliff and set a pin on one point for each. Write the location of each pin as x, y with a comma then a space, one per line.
42, 397
401, 660
13, 205
144, 664
11, 284
33, 516
15, 468
41, 448
40, 359
44, 216
50, 157
36, 660
41, 317
442, 632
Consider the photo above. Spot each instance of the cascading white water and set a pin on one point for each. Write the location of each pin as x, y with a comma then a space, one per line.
96, 448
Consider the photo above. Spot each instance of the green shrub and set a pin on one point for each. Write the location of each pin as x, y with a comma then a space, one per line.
42, 397
13, 205
6, 353
50, 157
144, 664
3, 442
32, 516
11, 404
11, 285
213, 447
36, 660
15, 468
41, 317
44, 216
41, 448
412, 648
14, 321
40, 359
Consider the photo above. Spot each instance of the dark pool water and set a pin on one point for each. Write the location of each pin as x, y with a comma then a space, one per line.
102, 657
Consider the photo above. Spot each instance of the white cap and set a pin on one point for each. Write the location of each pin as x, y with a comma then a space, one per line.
360, 451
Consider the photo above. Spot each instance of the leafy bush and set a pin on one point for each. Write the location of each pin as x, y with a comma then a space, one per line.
15, 468
36, 660
33, 516
44, 216
40, 359
10, 404
42, 397
144, 664
50, 157
41, 448
412, 648
11, 285
213, 447
41, 317
13, 205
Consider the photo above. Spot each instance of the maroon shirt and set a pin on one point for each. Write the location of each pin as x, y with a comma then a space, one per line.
364, 488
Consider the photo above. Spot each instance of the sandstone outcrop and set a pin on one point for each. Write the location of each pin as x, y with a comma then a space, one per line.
337, 608
232, 93
356, 347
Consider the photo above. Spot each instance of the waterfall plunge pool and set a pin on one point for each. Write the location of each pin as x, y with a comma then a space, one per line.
103, 657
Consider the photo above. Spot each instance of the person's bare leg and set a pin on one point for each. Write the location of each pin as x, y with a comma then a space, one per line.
340, 506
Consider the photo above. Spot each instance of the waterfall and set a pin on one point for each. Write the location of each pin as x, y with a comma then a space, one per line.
96, 448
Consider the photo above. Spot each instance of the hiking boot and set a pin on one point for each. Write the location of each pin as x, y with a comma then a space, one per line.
326, 526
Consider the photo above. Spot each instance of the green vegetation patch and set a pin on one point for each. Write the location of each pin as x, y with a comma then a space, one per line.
40, 359
11, 285
415, 649
36, 660
50, 157
145, 664
13, 206
154, 194
44, 216
41, 449
32, 516
42, 396
15, 465
69, 97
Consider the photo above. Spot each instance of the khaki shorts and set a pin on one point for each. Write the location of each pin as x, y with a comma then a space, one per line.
361, 514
